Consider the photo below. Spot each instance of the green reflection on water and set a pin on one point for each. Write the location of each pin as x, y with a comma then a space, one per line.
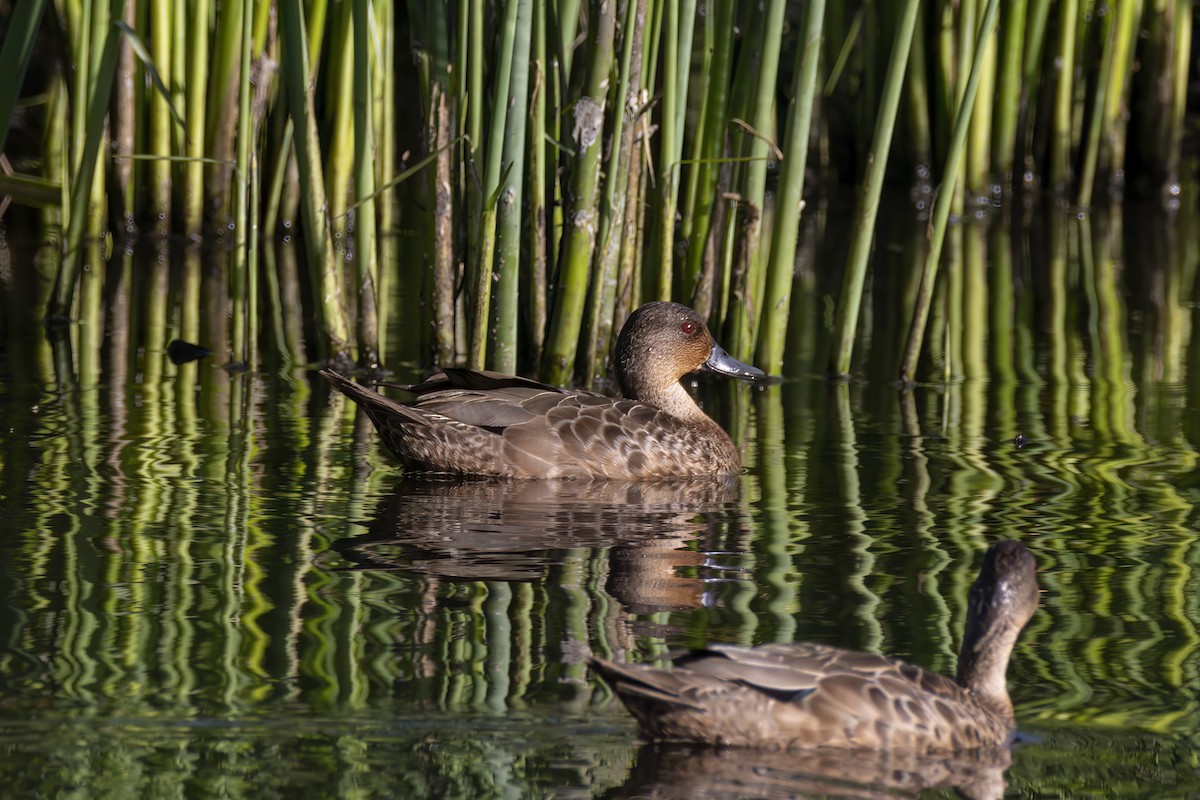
217, 580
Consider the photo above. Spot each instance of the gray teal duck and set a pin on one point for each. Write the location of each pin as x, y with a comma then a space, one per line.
487, 424
812, 695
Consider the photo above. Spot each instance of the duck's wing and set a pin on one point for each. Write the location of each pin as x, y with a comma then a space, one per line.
628, 440
474, 380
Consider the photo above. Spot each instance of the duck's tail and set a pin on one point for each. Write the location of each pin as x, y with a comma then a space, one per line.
360, 394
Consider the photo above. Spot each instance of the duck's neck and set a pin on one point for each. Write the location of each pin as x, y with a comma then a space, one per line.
983, 664
675, 400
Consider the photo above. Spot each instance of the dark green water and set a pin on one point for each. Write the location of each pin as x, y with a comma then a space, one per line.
217, 584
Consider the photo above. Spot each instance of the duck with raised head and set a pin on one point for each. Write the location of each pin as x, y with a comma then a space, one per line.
813, 695
487, 424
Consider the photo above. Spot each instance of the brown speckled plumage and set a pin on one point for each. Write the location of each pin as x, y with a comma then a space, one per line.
812, 695
484, 423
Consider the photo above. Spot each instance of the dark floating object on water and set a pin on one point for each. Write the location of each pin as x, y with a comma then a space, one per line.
1020, 441
486, 423
181, 352
812, 695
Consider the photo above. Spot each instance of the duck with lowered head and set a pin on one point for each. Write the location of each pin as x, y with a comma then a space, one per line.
487, 424
813, 695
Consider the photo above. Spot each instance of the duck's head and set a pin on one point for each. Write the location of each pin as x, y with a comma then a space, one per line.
1002, 600
662, 342
1006, 591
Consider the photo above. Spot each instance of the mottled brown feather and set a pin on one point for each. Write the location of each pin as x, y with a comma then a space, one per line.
814, 695
490, 424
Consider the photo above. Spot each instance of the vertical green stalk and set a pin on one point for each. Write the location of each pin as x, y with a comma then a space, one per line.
628, 278
508, 233
159, 211
580, 225
746, 303
197, 85
613, 202
978, 146
15, 51
790, 195
319, 246
1060, 141
97, 202
1008, 93
123, 122
702, 177
539, 156
340, 90
493, 162
1116, 96
1091, 149
919, 103
81, 40
252, 353
945, 200
222, 108
364, 186
472, 104
384, 86
81, 186
868, 206
239, 273
439, 131
669, 146
1181, 50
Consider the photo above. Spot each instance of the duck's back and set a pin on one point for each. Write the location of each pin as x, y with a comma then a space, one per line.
805, 695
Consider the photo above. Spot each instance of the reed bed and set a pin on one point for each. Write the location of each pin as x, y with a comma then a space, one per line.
500, 183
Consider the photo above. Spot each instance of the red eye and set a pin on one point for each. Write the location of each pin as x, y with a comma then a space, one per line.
688, 327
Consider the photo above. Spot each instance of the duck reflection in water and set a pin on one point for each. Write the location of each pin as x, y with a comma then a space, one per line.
682, 772
506, 530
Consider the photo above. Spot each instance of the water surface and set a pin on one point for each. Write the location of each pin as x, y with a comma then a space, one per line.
216, 582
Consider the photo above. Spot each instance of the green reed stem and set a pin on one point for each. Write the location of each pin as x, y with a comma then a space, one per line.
159, 212
384, 89
493, 165
539, 157
508, 233
123, 124
81, 185
703, 176
980, 134
746, 305
1060, 137
1008, 92
221, 112
1091, 148
945, 198
241, 194
868, 207
580, 225
365, 258
319, 247
15, 51
197, 85
920, 145
612, 205
340, 97
1181, 52
1116, 96
790, 195
669, 147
